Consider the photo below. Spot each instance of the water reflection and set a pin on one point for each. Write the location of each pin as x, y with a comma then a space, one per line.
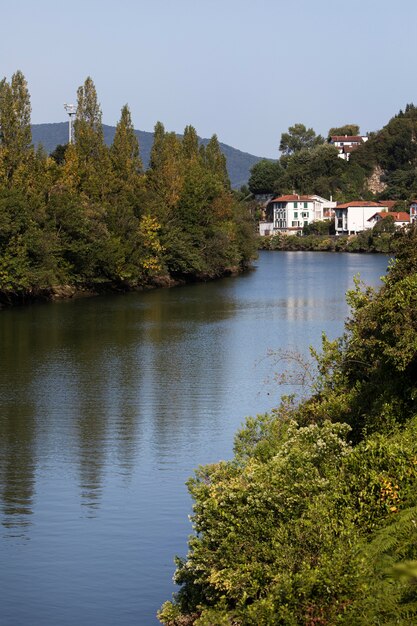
17, 465
80, 381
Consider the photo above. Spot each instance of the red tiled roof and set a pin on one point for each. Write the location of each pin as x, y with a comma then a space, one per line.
293, 198
358, 203
347, 138
399, 216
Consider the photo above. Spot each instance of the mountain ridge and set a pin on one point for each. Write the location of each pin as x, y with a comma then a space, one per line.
239, 163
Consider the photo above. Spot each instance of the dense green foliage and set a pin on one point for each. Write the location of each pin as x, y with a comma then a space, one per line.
88, 217
347, 129
299, 138
314, 521
385, 167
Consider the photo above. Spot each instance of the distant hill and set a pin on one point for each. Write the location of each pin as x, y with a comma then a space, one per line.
239, 163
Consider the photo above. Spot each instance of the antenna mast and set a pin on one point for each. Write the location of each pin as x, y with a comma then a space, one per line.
71, 110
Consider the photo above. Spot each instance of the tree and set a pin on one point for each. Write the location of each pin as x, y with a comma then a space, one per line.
93, 157
347, 129
317, 170
58, 155
124, 154
267, 177
298, 138
215, 161
190, 143
166, 174
157, 146
384, 225
15, 131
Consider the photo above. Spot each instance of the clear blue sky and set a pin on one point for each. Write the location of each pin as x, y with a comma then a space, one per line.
244, 69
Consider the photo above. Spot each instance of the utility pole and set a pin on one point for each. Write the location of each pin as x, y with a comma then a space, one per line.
71, 110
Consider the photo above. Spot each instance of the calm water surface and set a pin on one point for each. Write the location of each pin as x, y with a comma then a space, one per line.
106, 407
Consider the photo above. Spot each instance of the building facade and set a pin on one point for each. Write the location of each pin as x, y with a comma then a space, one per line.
353, 217
289, 214
413, 212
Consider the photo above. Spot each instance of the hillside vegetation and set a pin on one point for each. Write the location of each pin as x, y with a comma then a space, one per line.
89, 218
384, 167
314, 520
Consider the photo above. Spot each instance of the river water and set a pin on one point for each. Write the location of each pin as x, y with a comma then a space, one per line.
108, 404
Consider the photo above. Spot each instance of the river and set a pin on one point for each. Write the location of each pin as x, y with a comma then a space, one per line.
107, 405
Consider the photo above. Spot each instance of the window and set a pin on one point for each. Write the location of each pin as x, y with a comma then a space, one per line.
295, 205
295, 224
295, 214
305, 214
305, 205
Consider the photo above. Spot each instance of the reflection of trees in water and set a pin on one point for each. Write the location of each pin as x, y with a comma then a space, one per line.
184, 359
17, 466
75, 379
17, 426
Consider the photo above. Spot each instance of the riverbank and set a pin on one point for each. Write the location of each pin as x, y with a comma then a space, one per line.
73, 292
367, 241
385, 243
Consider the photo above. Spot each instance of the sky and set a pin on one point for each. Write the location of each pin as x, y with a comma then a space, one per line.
243, 69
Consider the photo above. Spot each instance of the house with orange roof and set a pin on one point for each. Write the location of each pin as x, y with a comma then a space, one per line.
353, 217
346, 144
288, 214
401, 218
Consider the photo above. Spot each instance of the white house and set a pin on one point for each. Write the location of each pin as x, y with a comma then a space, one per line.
289, 214
353, 217
346, 144
401, 218
413, 212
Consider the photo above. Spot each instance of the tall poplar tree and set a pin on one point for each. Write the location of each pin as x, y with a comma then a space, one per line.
124, 153
190, 143
92, 153
15, 131
215, 161
157, 146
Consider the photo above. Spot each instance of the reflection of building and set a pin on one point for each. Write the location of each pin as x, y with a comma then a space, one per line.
289, 214
353, 217
346, 144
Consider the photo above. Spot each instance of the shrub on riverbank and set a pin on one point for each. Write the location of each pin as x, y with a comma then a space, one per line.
314, 520
367, 241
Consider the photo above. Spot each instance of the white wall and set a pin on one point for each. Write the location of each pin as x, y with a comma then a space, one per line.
357, 218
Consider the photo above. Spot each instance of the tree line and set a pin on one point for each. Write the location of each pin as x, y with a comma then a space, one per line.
89, 217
